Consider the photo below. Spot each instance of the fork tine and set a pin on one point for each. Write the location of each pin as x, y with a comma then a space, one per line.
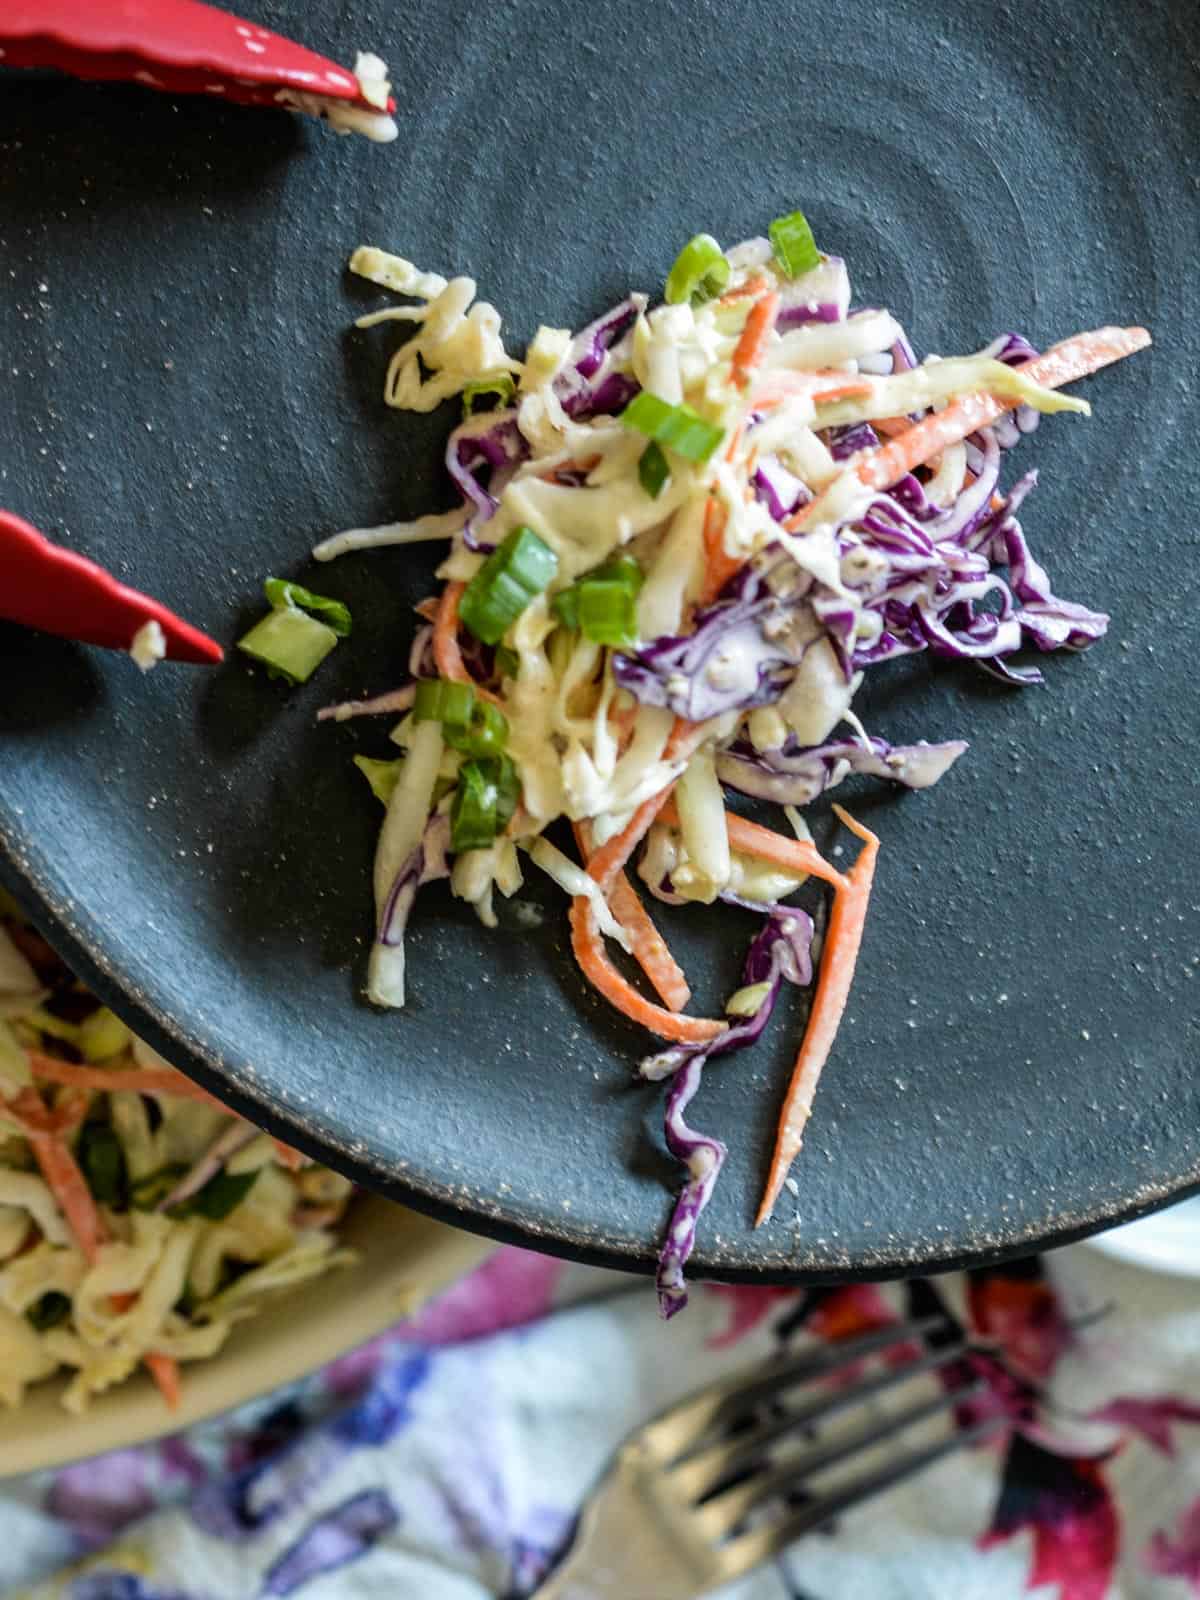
760, 1544
698, 1474
683, 1426
720, 1516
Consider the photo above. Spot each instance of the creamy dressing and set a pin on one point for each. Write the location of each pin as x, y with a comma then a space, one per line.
149, 645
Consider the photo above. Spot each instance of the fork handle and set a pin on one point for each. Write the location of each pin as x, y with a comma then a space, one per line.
622, 1549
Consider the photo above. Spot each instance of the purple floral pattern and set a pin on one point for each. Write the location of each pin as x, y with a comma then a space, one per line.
426, 1444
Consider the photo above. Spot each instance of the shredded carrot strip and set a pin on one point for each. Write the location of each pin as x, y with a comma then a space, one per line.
719, 566
743, 291
1063, 363
603, 976
749, 839
588, 947
751, 348
446, 654
650, 949
109, 1080
69, 1188
842, 943
165, 1372
781, 383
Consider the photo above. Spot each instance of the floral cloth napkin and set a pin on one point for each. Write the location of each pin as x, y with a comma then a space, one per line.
448, 1459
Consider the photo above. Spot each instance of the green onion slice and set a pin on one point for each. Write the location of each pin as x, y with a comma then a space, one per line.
485, 735
280, 593
653, 470
603, 603
793, 243
440, 701
700, 272
290, 643
608, 612
486, 797
102, 1161
49, 1311
219, 1196
513, 575
500, 384
678, 427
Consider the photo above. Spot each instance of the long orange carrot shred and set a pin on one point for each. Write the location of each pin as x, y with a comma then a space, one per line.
69, 1188
109, 1080
587, 945
650, 949
843, 939
1063, 363
447, 656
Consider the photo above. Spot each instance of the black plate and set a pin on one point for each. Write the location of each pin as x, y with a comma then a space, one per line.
183, 399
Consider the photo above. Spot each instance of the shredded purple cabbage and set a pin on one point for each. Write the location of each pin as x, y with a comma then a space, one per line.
423, 865
741, 653
781, 952
493, 445
794, 776
590, 384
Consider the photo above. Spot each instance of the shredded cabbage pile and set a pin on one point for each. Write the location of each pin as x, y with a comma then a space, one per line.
827, 578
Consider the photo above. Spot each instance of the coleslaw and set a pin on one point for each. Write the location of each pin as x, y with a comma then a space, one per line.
140, 1220
686, 532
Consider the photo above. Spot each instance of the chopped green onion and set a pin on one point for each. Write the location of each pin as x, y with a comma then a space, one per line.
647, 413
485, 735
565, 607
653, 470
290, 643
49, 1311
678, 427
146, 1192
381, 775
508, 662
440, 701
473, 821
602, 604
281, 594
608, 611
103, 1035
793, 243
102, 1161
501, 384
219, 1196
513, 575
486, 797
474, 726
700, 272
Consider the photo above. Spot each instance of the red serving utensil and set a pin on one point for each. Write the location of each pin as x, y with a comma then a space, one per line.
44, 586
178, 45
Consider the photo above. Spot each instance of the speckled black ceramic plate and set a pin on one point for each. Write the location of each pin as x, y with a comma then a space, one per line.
182, 398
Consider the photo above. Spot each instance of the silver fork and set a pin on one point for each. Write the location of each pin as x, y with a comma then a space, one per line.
708, 1490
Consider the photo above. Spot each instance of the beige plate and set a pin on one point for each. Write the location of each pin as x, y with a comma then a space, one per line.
405, 1258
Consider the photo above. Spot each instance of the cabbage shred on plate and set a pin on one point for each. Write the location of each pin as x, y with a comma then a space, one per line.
140, 1220
685, 534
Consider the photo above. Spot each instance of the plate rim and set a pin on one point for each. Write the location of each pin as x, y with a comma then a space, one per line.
54, 923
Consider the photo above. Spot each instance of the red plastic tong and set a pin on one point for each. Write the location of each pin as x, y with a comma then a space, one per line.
177, 45
44, 586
